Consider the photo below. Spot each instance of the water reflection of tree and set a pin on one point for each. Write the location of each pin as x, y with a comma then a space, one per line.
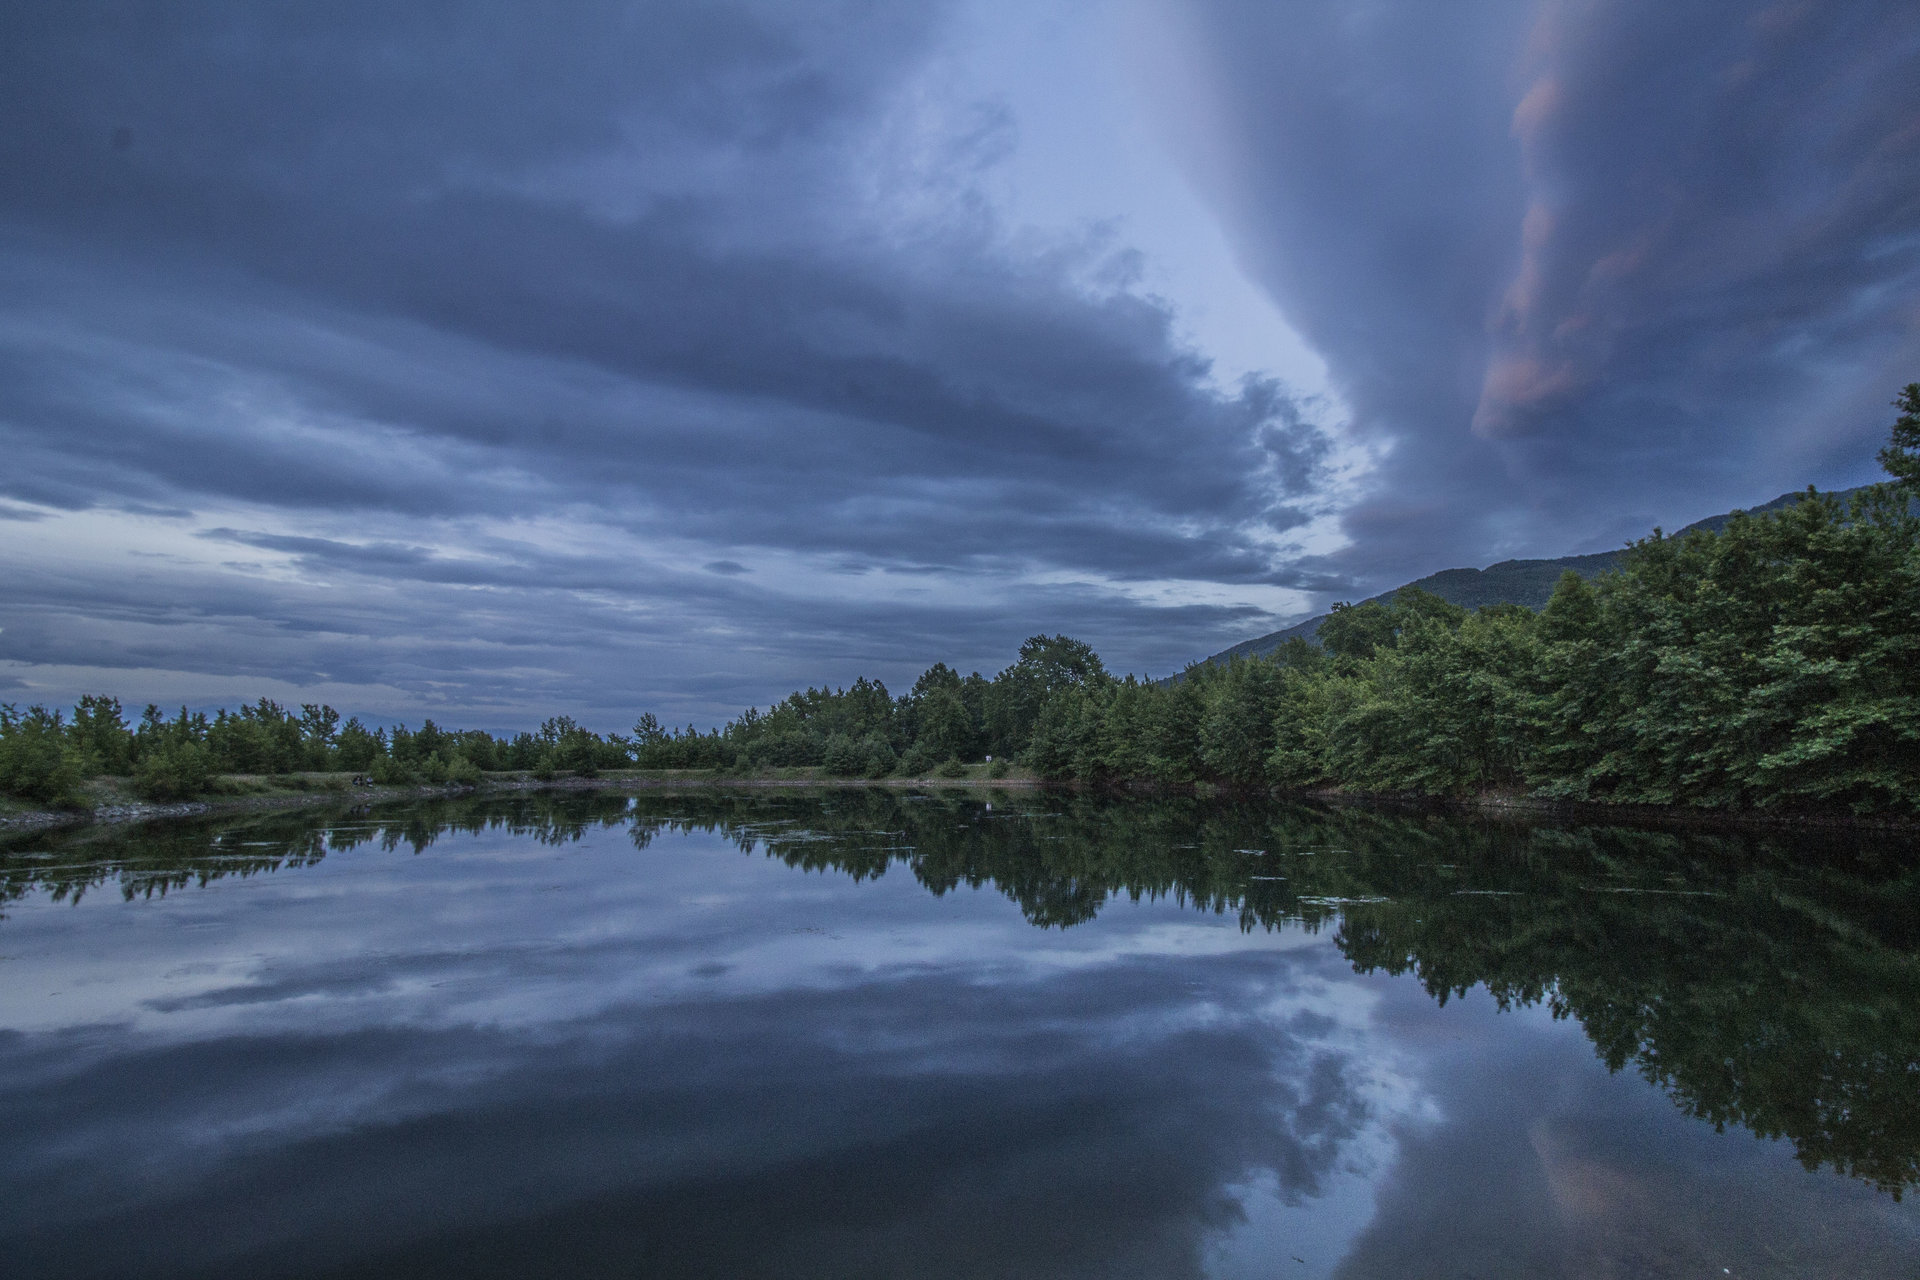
151, 859
1770, 981
1783, 997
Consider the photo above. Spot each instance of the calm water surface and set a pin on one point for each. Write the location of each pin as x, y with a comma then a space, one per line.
864, 1033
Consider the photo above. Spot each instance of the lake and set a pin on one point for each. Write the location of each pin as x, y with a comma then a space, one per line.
867, 1032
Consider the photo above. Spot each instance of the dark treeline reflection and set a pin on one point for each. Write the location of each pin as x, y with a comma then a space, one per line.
1770, 980
152, 858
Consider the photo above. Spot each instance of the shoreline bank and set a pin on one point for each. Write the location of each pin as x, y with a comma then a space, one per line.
267, 796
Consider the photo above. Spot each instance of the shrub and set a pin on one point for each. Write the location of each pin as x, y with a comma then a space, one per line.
917, 761
177, 772
787, 749
842, 757
998, 769
952, 768
463, 772
388, 772
880, 757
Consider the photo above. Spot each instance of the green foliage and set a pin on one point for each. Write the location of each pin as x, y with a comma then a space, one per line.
1236, 730
319, 731
1356, 632
944, 724
1440, 709
1067, 737
917, 760
264, 738
1774, 663
1901, 457
878, 754
358, 747
1770, 661
176, 771
1048, 665
38, 762
100, 735
44, 756
843, 757
569, 747
386, 771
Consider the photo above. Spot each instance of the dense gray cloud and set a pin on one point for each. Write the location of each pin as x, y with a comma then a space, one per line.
1582, 267
610, 267
478, 361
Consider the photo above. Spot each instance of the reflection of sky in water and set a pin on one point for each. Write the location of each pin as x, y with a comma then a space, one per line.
503, 1057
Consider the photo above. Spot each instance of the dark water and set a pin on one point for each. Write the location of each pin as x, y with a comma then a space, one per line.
865, 1034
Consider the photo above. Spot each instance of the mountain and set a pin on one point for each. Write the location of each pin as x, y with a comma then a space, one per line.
1525, 582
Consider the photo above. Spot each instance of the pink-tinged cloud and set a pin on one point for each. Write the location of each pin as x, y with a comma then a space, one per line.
1520, 389
1537, 109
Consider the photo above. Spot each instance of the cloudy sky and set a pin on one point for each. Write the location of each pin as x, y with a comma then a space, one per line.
486, 360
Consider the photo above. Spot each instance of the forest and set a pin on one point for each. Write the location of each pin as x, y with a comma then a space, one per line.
1773, 664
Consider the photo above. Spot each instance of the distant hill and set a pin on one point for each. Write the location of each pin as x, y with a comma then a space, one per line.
1525, 582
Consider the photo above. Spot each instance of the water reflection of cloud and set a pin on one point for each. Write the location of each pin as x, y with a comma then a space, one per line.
1536, 1162
694, 1058
796, 1076
487, 930
772, 1134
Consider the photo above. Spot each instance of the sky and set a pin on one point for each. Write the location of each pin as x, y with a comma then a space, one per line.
487, 361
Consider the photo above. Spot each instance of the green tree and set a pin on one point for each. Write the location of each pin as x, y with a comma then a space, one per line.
1355, 631
944, 726
1067, 737
173, 771
843, 757
1047, 665
357, 747
1236, 731
37, 761
319, 729
100, 734
1901, 457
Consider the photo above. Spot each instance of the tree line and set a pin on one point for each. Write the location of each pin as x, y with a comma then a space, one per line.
45, 755
1772, 663
860, 731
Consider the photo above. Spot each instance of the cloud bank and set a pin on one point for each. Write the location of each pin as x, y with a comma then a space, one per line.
482, 363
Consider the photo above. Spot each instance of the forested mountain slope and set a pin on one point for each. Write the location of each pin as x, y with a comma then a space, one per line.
1522, 582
